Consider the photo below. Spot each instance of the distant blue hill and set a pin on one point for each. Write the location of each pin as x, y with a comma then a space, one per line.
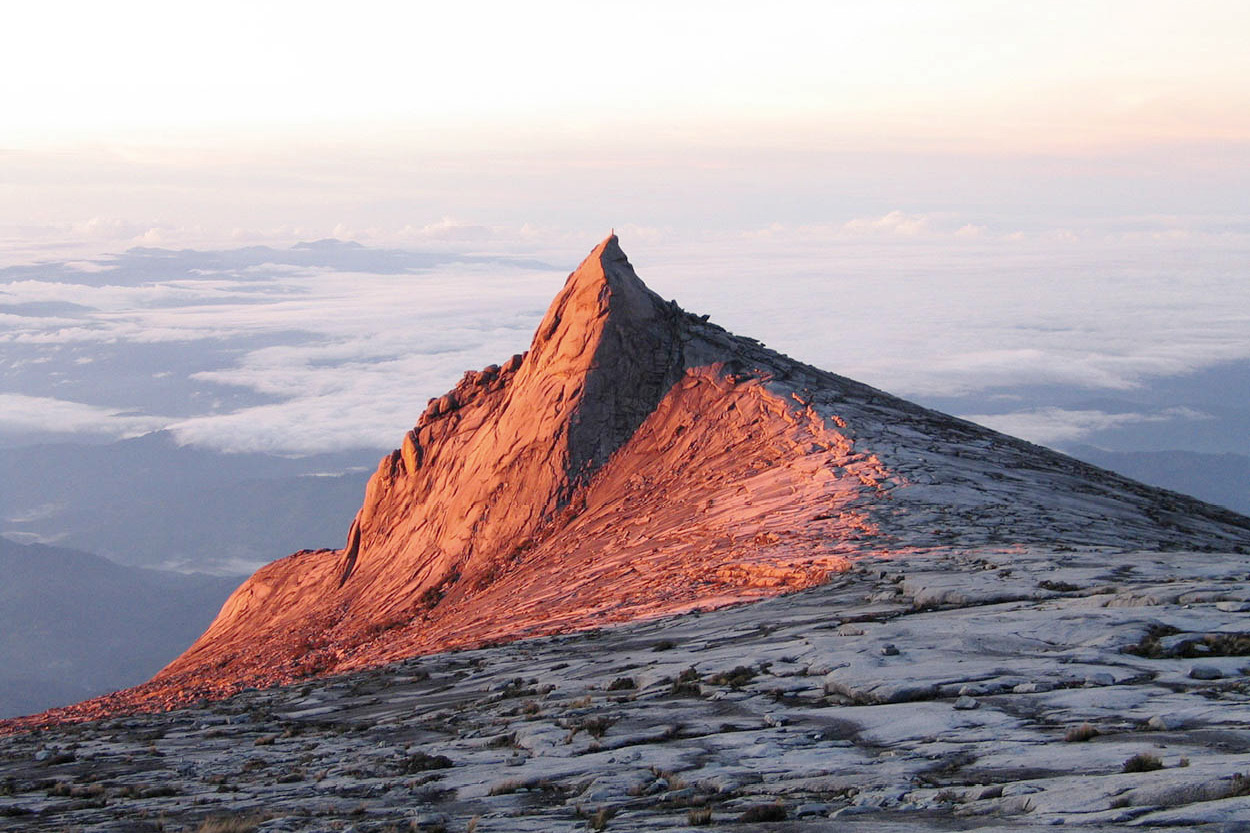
74, 625
150, 502
1222, 479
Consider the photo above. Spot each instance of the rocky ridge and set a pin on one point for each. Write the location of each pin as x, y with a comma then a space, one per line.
639, 461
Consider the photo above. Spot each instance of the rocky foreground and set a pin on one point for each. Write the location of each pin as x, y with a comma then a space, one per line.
934, 690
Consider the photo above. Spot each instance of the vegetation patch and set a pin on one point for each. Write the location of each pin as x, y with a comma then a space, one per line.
232, 824
686, 684
528, 785
1151, 646
736, 678
699, 817
1142, 762
1080, 734
421, 762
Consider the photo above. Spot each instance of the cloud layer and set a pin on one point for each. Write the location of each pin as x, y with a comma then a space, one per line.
331, 346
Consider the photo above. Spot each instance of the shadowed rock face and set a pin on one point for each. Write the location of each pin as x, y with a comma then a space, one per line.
639, 461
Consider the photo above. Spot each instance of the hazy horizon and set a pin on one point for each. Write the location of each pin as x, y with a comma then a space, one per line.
1032, 216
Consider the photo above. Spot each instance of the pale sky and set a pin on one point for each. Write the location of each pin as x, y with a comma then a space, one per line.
1090, 71
129, 123
934, 196
210, 122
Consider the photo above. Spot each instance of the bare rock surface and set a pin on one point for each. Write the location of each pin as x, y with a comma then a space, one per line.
1078, 660
950, 629
637, 462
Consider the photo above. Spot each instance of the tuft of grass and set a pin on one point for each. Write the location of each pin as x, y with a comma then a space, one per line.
686, 684
509, 787
599, 821
675, 781
421, 762
1080, 734
1239, 786
1142, 762
622, 684
1149, 645
243, 823
515, 785
737, 678
699, 817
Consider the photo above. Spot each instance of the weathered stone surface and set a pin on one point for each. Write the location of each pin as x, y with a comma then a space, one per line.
639, 461
539, 735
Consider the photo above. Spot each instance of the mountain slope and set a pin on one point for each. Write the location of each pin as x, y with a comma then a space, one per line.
639, 461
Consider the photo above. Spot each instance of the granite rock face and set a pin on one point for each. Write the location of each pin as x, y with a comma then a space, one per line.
636, 462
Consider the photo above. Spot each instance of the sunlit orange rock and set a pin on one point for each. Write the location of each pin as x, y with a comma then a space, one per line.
639, 461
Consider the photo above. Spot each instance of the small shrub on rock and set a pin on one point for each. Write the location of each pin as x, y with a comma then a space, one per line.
1143, 762
736, 678
421, 762
1080, 734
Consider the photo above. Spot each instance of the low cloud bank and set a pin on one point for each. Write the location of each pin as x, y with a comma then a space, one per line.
337, 345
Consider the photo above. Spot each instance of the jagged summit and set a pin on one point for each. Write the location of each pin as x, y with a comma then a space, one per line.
639, 461
608, 348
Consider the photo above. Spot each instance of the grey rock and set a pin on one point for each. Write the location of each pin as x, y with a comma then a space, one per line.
1020, 789
1205, 672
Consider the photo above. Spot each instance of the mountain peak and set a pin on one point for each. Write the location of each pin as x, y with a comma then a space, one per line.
613, 346
604, 285
639, 462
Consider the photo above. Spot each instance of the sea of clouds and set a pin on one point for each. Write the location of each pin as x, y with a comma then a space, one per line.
303, 349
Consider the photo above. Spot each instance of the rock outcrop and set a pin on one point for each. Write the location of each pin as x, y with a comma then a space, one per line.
640, 461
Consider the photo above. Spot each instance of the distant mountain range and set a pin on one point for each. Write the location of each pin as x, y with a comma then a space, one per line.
74, 625
150, 502
1222, 479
